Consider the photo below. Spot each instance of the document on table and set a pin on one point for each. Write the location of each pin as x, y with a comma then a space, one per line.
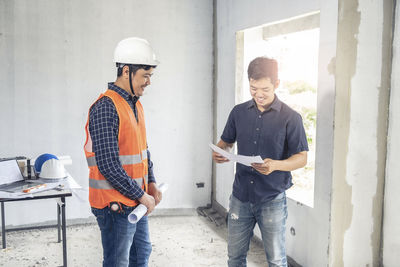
245, 160
67, 183
4, 194
10, 172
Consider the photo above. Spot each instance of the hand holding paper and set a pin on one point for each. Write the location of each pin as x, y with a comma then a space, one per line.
245, 160
141, 209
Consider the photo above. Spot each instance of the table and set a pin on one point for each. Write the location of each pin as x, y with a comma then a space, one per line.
55, 194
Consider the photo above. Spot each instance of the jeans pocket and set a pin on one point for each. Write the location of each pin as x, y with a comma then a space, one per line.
280, 196
279, 200
100, 215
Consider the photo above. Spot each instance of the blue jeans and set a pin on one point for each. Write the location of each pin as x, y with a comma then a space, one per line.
124, 244
271, 218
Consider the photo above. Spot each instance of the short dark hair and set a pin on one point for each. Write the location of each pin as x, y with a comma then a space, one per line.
134, 67
263, 67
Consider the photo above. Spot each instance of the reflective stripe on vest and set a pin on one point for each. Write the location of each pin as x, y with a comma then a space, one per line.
104, 184
125, 160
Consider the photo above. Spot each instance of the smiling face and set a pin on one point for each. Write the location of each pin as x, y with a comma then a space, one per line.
263, 92
140, 80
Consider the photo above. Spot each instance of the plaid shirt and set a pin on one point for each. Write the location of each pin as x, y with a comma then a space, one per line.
103, 128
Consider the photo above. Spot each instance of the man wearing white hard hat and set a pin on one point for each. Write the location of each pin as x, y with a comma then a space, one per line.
120, 169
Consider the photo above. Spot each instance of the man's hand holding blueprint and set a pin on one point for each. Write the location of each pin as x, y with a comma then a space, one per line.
245, 160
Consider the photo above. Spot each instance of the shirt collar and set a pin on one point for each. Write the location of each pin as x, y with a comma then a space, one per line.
276, 104
122, 92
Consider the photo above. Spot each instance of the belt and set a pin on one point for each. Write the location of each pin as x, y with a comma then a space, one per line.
120, 207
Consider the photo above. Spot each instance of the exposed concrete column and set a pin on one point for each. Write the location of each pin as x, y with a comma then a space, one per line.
361, 103
391, 220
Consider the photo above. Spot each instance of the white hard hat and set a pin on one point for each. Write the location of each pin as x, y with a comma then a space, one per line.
53, 169
135, 50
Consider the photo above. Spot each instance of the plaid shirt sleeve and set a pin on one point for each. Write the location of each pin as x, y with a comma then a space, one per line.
152, 179
103, 128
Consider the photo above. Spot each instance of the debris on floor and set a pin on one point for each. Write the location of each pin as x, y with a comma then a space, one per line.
212, 215
178, 241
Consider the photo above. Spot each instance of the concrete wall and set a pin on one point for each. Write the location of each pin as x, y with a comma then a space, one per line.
314, 222
391, 219
56, 58
361, 104
233, 16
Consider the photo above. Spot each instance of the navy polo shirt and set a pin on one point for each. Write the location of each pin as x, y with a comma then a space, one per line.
275, 133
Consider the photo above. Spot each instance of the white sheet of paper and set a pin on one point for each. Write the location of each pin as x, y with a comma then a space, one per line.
68, 182
9, 172
141, 210
245, 160
4, 194
72, 184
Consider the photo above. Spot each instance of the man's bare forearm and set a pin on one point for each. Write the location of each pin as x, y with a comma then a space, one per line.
294, 162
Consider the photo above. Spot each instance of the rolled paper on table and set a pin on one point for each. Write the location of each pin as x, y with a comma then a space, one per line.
141, 210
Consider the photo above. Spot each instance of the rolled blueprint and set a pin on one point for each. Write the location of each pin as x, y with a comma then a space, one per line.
141, 210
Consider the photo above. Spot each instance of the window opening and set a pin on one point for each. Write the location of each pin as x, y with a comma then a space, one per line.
294, 44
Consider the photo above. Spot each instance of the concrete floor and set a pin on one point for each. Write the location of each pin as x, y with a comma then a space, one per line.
178, 241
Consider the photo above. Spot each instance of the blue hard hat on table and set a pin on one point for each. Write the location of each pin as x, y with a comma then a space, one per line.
42, 159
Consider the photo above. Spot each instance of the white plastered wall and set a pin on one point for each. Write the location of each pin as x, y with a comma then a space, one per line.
56, 58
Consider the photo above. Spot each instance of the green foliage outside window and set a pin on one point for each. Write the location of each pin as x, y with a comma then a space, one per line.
309, 114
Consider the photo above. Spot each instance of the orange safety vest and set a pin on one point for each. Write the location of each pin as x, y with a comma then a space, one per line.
132, 154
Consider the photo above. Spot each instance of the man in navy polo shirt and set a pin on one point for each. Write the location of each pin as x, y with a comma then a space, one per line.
268, 127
